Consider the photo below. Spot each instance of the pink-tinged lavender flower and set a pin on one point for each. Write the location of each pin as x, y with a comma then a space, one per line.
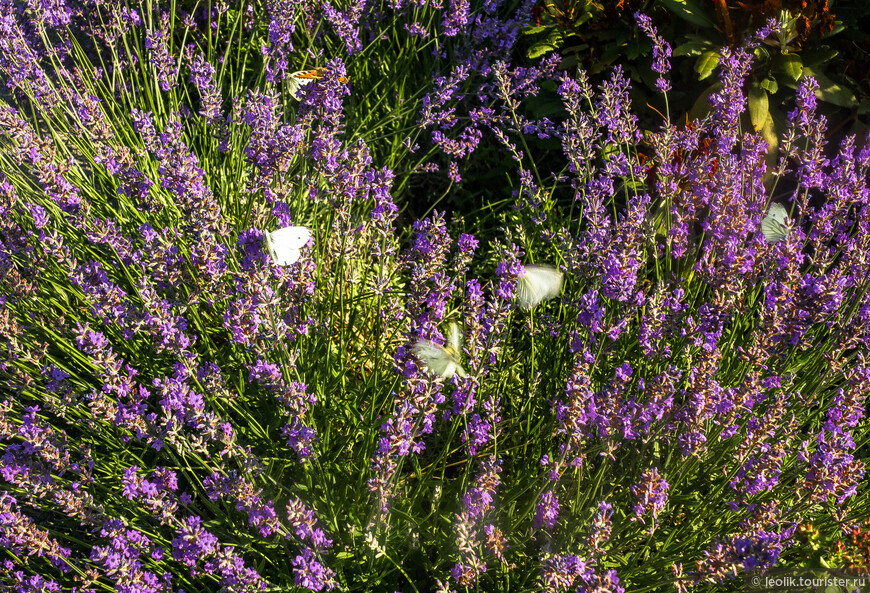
623, 372
565, 572
427, 260
182, 176
458, 148
33, 583
613, 111
193, 542
271, 145
477, 502
561, 572
467, 244
435, 110
346, 23
495, 542
734, 555
602, 525
477, 435
202, 76
296, 404
123, 557
455, 18
108, 302
21, 536
19, 59
729, 101
305, 525
50, 14
548, 511
401, 436
157, 42
308, 572
252, 243
619, 413
231, 572
651, 495
157, 494
833, 471
117, 378
41, 157
810, 127
167, 330
281, 16
416, 28
234, 487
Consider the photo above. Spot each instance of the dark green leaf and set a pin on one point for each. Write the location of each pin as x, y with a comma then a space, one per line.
702, 104
541, 48
792, 65
769, 84
575, 49
706, 64
691, 11
533, 30
758, 108
818, 55
693, 48
568, 62
829, 91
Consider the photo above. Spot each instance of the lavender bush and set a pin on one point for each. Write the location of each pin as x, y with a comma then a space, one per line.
178, 412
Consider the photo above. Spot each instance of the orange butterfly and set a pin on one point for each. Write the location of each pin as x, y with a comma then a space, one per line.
299, 79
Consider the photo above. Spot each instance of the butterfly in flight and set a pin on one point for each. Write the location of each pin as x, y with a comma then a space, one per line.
538, 283
444, 360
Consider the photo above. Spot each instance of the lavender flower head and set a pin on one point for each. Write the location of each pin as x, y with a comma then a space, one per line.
661, 51
651, 494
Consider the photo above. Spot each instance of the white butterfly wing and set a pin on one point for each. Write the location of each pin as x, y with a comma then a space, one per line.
285, 244
454, 348
538, 283
436, 358
773, 226
454, 339
296, 81
778, 212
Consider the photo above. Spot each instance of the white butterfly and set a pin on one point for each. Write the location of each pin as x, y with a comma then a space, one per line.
285, 244
442, 360
538, 283
297, 80
774, 225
